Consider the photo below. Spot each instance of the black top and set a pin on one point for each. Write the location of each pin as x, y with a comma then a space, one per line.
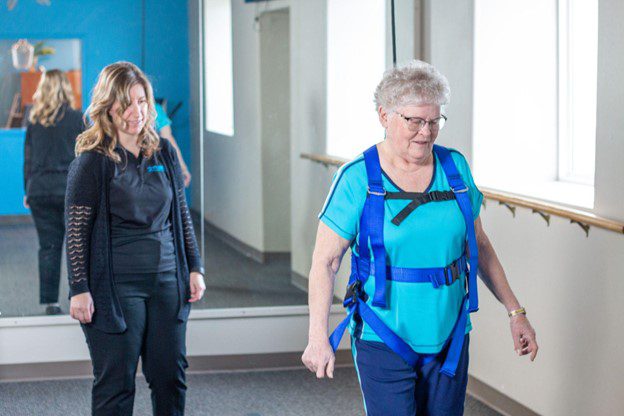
87, 218
140, 208
48, 151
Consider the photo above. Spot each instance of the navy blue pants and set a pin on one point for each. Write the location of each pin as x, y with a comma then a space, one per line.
391, 386
154, 333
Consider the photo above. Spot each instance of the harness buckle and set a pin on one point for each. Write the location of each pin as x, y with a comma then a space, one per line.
376, 193
455, 272
459, 191
354, 291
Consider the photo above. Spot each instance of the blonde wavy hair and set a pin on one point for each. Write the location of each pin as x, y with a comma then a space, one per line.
53, 91
114, 84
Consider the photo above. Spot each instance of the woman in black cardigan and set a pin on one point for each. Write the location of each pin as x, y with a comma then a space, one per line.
133, 260
48, 150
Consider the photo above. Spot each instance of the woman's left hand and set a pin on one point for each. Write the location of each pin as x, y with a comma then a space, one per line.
523, 336
187, 177
198, 287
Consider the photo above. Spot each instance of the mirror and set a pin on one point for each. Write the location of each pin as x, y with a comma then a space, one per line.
246, 154
240, 192
22, 62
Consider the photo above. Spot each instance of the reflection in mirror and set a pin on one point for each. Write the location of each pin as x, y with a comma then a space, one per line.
247, 183
244, 222
40, 103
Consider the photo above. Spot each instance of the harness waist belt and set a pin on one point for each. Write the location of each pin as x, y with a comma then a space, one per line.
437, 276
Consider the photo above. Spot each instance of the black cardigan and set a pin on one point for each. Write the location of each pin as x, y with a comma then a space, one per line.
87, 219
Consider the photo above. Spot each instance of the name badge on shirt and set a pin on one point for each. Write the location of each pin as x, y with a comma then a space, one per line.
156, 168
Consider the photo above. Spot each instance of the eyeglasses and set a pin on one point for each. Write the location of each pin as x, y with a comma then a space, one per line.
416, 124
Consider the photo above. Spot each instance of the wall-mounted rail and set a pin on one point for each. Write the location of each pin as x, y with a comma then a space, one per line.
545, 209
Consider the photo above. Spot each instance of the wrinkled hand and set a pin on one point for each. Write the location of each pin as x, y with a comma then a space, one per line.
319, 358
523, 336
81, 307
198, 287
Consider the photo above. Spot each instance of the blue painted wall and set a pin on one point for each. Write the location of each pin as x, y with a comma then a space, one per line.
110, 31
11, 172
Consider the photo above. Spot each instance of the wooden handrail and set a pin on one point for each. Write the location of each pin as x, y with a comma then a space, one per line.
574, 215
545, 209
324, 159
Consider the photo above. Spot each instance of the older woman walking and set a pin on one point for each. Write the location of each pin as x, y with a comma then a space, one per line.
409, 210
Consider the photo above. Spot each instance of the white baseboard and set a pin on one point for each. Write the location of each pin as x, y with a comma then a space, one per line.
497, 400
211, 332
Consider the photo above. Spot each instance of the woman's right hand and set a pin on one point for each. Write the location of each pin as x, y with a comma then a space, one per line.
319, 358
26, 204
81, 307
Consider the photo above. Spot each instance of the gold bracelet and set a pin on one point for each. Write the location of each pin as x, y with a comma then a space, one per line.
517, 312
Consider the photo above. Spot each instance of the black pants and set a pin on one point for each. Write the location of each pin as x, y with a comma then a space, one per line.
150, 307
48, 214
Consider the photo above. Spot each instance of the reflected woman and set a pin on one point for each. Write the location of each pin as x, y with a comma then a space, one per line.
48, 150
133, 260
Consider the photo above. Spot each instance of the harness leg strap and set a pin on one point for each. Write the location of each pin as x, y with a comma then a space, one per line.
336, 336
456, 342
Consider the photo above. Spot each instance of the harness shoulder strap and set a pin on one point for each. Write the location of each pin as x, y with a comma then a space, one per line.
460, 190
372, 223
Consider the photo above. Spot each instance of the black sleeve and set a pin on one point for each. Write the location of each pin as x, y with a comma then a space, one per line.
193, 257
81, 201
27, 157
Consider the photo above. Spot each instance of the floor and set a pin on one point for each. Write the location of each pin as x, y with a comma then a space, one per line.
259, 393
233, 280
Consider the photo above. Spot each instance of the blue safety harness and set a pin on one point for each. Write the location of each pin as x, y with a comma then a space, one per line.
362, 266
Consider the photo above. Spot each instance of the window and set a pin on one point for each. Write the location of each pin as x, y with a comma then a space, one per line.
534, 130
356, 36
218, 84
578, 58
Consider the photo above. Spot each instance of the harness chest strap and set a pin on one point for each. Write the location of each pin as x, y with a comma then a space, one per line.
417, 199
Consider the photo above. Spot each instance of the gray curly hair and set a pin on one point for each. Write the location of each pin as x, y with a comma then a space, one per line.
413, 83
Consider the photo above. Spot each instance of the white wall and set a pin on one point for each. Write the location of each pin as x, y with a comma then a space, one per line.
308, 126
275, 119
610, 123
571, 285
50, 339
449, 48
233, 182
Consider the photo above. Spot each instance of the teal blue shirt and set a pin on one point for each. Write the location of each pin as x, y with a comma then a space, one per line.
162, 120
433, 235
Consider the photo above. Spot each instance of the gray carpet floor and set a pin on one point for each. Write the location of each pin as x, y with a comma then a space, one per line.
233, 280
265, 393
